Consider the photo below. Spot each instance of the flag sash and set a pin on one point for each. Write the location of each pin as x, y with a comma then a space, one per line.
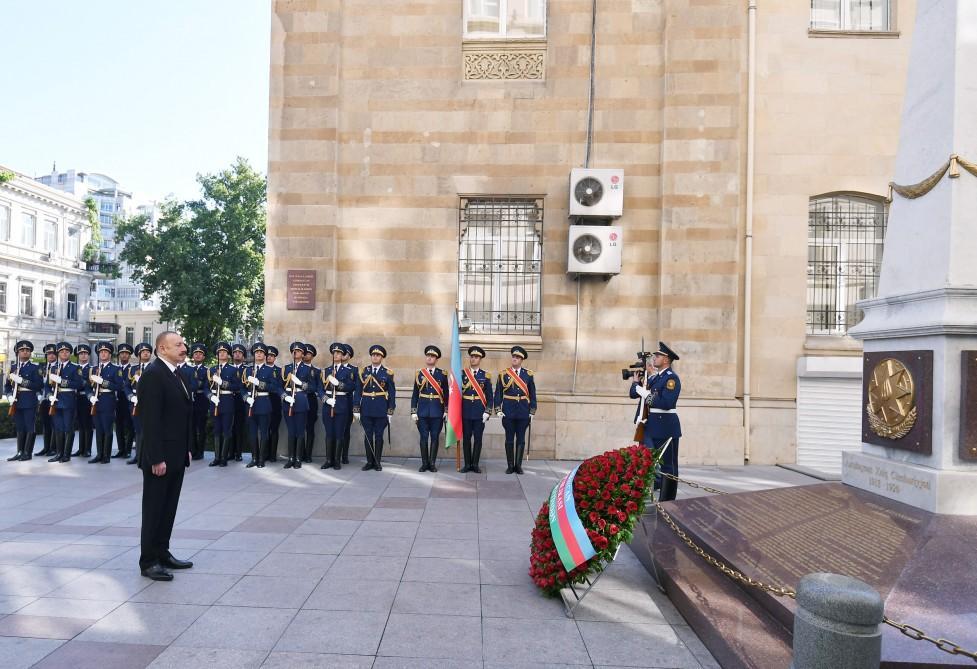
434, 384
477, 386
571, 540
519, 382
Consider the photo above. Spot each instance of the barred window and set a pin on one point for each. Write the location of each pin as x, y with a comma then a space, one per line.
851, 15
500, 260
845, 235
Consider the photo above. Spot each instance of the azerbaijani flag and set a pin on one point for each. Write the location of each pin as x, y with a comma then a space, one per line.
453, 428
571, 540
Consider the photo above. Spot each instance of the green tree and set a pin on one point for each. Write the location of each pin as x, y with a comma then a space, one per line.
205, 257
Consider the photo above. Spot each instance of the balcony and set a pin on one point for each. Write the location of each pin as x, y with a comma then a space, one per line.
103, 269
103, 328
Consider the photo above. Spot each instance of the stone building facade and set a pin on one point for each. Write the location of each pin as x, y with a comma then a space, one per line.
391, 123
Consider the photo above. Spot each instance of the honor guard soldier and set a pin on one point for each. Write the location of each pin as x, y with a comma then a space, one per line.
143, 352
240, 431
21, 387
477, 399
225, 384
347, 362
515, 401
84, 419
47, 420
312, 417
124, 435
201, 398
295, 403
64, 383
102, 384
336, 386
659, 395
374, 402
427, 404
260, 380
276, 408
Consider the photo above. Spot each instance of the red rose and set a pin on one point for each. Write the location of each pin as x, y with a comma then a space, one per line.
632, 507
593, 516
614, 528
621, 516
601, 523
606, 495
614, 478
599, 506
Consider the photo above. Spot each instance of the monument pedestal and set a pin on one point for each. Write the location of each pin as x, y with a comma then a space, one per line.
935, 490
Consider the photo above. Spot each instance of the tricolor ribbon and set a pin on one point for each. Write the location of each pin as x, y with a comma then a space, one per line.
569, 535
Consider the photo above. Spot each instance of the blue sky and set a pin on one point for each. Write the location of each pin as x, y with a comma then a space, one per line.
148, 93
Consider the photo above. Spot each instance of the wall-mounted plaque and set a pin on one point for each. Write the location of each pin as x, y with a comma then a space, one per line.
897, 400
300, 289
968, 406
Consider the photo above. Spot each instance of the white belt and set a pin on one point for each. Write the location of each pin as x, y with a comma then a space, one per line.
261, 394
227, 392
105, 392
662, 411
339, 394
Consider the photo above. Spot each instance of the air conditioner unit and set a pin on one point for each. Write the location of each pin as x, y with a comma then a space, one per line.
596, 193
594, 249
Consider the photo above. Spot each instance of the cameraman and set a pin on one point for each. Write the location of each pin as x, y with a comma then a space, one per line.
659, 392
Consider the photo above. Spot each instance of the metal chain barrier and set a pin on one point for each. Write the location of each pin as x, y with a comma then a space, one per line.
915, 633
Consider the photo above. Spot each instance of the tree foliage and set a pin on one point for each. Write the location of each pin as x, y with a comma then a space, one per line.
205, 257
91, 251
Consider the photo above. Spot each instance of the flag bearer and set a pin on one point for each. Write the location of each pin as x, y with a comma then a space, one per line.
477, 399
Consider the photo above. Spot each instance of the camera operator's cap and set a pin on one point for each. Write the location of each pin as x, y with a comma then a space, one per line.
667, 352
63, 345
259, 346
520, 351
104, 346
296, 345
80, 348
476, 350
431, 349
376, 348
50, 348
349, 350
273, 351
22, 344
143, 346
222, 346
198, 346
124, 348
337, 347
239, 347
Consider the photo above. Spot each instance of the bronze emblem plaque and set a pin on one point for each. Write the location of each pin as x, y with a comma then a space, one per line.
897, 400
968, 406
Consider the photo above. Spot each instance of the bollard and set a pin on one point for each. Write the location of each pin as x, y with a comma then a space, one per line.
836, 625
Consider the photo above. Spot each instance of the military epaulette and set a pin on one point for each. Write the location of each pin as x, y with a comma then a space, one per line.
668, 371
529, 371
488, 376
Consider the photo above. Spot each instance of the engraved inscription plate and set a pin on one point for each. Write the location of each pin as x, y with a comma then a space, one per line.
300, 289
897, 400
968, 406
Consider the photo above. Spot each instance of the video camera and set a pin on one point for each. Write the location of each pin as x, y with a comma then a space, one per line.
636, 370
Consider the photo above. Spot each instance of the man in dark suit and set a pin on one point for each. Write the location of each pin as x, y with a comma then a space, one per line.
166, 412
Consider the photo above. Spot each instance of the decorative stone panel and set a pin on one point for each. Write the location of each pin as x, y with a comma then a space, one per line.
504, 60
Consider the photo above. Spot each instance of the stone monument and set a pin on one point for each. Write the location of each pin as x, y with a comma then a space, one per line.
919, 423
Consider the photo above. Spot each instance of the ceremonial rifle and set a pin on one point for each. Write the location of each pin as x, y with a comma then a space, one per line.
13, 400
54, 396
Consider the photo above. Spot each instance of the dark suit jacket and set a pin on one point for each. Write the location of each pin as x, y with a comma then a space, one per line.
166, 412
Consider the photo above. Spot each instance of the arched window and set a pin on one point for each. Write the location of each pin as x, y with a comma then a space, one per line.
845, 234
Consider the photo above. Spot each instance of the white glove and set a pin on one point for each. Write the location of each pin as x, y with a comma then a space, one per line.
253, 380
93, 399
5, 398
222, 383
289, 399
298, 384
531, 417
485, 417
16, 378
413, 417
501, 415
135, 400
333, 380
249, 400
55, 377
214, 400
642, 391
331, 402
356, 416
97, 379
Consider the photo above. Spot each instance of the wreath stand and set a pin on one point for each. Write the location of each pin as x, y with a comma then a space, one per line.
573, 599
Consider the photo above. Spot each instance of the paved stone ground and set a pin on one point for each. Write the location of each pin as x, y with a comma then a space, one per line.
314, 569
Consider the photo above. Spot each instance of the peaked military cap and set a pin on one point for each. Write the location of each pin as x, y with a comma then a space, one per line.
349, 350
124, 348
476, 350
50, 348
259, 346
311, 349
664, 350
520, 351
337, 347
22, 344
104, 346
431, 349
63, 345
80, 348
376, 348
198, 346
273, 351
222, 346
239, 347
143, 346
296, 345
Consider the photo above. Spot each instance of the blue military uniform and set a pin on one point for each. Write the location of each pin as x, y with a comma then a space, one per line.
269, 382
275, 424
239, 436
312, 415
225, 384
515, 401
47, 417
84, 420
375, 401
344, 446
427, 405
200, 391
662, 423
338, 405
132, 386
63, 396
124, 434
21, 387
295, 404
103, 398
476, 406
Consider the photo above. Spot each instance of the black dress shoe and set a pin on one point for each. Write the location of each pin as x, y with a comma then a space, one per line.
326, 465
517, 470
261, 465
367, 467
422, 468
336, 465
172, 563
464, 470
214, 463
106, 461
197, 457
238, 458
288, 464
120, 454
345, 461
378, 467
476, 469
56, 458
223, 463
251, 464
132, 461
157, 573
298, 464
94, 460
509, 470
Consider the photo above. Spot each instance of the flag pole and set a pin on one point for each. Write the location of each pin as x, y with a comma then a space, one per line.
456, 350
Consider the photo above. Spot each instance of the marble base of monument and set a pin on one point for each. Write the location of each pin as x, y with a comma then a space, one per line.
936, 490
921, 563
